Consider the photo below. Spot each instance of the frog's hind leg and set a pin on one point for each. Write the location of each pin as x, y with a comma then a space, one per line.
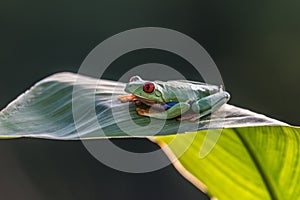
209, 104
175, 111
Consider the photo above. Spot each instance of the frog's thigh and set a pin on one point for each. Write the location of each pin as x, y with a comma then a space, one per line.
210, 103
172, 112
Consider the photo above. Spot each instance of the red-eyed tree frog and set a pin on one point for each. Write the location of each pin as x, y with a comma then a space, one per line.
174, 99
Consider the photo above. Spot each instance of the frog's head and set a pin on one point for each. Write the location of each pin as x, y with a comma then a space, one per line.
144, 89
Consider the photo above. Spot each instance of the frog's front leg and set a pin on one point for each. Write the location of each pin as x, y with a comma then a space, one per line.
209, 104
175, 111
126, 98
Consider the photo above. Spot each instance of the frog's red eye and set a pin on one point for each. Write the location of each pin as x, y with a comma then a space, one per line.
148, 87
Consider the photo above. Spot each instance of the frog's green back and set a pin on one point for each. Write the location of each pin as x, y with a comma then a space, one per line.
184, 90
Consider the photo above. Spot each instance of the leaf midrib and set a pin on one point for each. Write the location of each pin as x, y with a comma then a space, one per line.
259, 167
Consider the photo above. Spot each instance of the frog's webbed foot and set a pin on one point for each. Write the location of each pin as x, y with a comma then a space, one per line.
127, 98
146, 112
152, 113
138, 103
191, 117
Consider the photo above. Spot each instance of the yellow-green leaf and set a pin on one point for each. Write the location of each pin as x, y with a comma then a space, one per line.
246, 163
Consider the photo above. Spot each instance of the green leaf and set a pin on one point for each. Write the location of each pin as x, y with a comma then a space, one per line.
255, 157
60, 105
246, 163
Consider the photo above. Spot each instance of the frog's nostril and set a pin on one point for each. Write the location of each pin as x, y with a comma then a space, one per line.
132, 79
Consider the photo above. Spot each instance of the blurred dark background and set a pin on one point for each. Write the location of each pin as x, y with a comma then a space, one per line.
255, 44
